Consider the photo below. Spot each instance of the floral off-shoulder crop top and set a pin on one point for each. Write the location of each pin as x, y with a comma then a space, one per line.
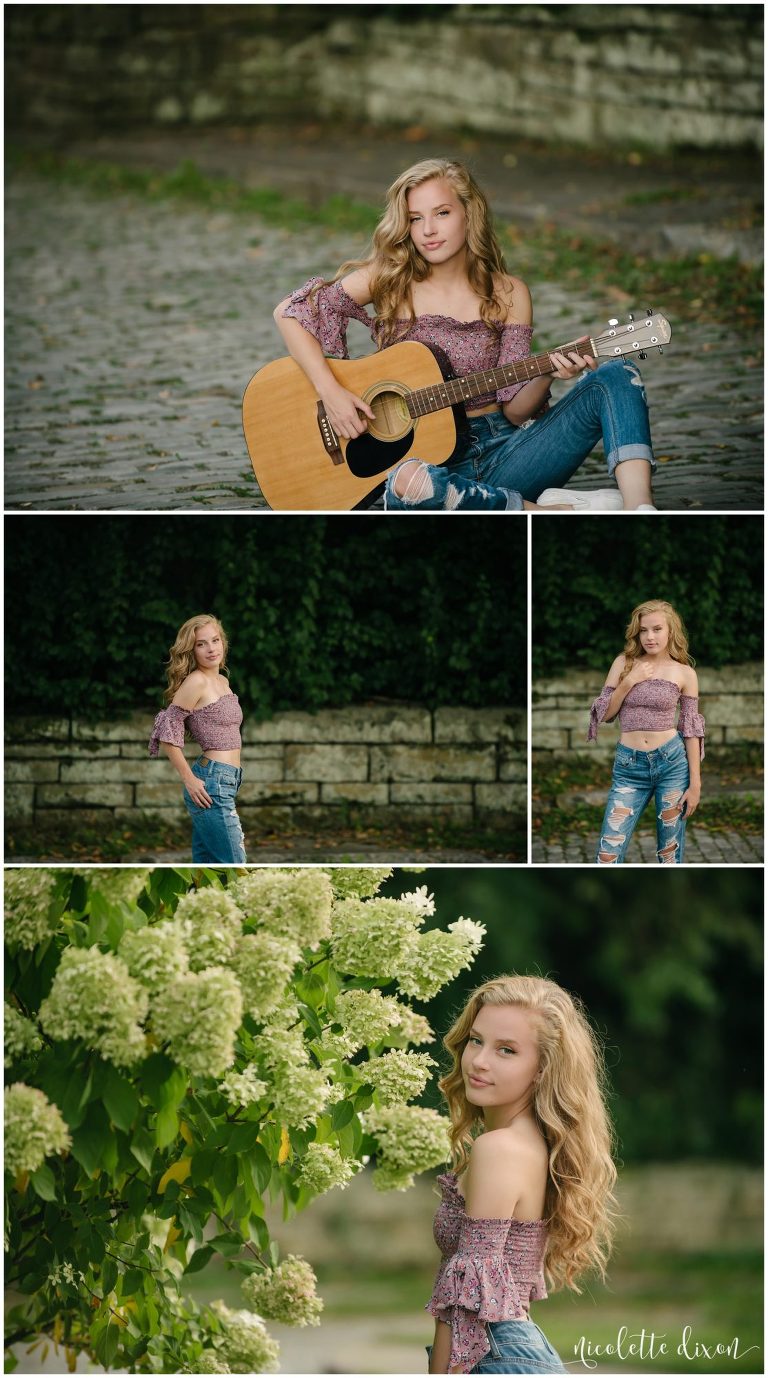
469, 346
491, 1270
216, 726
650, 707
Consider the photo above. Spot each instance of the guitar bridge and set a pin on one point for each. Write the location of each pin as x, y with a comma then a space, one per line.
328, 435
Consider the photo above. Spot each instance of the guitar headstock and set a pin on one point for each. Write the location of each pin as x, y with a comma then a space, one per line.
649, 331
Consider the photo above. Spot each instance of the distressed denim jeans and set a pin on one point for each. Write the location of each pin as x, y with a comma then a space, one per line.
517, 1347
502, 464
637, 777
217, 835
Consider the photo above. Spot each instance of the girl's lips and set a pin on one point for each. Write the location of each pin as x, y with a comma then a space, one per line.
478, 1081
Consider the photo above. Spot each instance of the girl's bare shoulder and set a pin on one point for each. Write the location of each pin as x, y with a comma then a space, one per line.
357, 285
515, 299
617, 668
190, 691
689, 681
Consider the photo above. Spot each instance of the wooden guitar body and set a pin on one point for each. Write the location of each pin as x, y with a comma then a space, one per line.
283, 429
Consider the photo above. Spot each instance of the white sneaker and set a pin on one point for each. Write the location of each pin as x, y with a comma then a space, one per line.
604, 499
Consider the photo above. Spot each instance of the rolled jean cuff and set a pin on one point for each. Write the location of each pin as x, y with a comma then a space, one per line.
624, 452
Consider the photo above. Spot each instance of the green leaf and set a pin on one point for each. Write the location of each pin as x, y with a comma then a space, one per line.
91, 1139
202, 1166
199, 1259
343, 1113
143, 1148
108, 1276
261, 1167
243, 1136
166, 1126
108, 1344
133, 1282
44, 1183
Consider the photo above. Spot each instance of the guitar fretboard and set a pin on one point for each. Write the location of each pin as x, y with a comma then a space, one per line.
474, 385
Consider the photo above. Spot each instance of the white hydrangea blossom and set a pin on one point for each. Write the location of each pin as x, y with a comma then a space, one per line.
28, 896
286, 1015
211, 924
245, 1344
436, 958
34, 1128
322, 1168
20, 1035
294, 903
281, 1048
287, 1293
264, 963
300, 1094
118, 884
242, 1088
155, 955
210, 1362
366, 1016
398, 1076
413, 1028
199, 1015
420, 901
373, 937
359, 881
95, 998
410, 1140
336, 1045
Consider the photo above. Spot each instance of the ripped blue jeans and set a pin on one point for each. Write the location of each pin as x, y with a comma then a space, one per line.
502, 464
217, 834
637, 777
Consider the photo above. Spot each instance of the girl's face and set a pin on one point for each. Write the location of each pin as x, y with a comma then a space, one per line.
209, 647
501, 1058
438, 220
654, 633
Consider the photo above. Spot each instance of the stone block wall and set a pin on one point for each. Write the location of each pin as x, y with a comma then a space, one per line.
731, 700
385, 764
659, 75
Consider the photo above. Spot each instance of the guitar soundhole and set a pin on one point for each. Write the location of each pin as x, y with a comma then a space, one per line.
391, 416
366, 456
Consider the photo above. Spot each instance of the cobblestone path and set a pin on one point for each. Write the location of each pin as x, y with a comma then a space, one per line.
134, 327
701, 847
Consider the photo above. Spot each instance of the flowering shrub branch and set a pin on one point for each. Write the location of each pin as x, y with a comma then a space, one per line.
183, 1046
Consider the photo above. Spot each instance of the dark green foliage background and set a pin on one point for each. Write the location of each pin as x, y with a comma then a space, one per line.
319, 611
669, 966
709, 568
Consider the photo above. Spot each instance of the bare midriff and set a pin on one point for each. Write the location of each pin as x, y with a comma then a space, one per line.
647, 741
227, 758
483, 411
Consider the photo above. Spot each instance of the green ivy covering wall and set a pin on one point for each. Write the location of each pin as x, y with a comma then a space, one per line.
319, 611
586, 583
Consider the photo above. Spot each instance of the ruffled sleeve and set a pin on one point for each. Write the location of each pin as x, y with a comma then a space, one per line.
598, 710
515, 345
168, 727
690, 722
475, 1285
325, 314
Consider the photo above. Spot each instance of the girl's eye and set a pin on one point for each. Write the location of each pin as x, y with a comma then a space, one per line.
473, 1038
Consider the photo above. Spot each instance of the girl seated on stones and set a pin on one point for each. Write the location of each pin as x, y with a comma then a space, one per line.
435, 273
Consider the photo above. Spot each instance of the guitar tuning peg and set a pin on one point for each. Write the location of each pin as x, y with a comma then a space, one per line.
661, 351
642, 354
613, 321
649, 310
630, 316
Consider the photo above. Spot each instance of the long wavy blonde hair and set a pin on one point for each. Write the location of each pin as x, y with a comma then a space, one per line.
677, 645
568, 1101
181, 657
396, 262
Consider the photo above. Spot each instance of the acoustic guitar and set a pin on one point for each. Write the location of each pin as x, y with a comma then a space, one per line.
301, 464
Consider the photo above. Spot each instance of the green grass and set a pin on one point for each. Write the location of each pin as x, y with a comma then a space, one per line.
691, 287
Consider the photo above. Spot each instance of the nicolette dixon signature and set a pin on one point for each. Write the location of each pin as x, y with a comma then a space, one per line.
646, 1344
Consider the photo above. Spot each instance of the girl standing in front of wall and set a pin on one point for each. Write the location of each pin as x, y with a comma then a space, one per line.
645, 684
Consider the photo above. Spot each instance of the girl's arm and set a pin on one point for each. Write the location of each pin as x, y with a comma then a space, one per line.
530, 399
692, 795
342, 406
441, 1348
187, 696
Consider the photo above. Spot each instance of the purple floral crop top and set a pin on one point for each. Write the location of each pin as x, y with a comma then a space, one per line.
470, 346
650, 707
216, 726
491, 1271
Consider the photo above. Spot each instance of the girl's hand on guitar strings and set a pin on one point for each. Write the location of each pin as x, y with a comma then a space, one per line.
343, 410
572, 364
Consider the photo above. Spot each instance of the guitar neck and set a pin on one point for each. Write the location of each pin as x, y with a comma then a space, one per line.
474, 385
